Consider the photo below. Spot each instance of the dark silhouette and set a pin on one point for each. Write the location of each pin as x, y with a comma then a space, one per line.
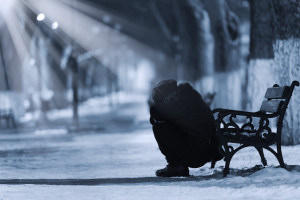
73, 66
184, 128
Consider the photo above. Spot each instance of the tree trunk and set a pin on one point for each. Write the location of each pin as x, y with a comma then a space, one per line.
261, 36
287, 61
225, 30
261, 53
3, 64
277, 20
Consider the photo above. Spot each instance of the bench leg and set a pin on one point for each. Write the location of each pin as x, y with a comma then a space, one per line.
229, 152
228, 158
226, 169
262, 156
280, 157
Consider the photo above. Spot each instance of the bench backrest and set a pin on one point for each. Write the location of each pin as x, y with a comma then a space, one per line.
277, 98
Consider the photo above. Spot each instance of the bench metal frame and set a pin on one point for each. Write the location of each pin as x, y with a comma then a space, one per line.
249, 135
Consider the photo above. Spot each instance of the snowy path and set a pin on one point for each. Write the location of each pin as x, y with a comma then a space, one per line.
122, 166
119, 161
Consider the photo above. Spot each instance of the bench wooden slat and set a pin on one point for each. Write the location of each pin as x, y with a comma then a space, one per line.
271, 106
277, 92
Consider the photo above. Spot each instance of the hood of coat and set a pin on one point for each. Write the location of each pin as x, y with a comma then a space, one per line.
164, 91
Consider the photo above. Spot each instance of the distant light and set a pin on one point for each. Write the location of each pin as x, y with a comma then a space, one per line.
95, 29
32, 61
176, 38
106, 19
118, 27
54, 25
245, 4
40, 17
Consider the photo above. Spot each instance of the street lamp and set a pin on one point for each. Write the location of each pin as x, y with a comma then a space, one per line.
40, 17
54, 25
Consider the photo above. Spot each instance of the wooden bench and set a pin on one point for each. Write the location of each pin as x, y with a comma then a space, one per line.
250, 134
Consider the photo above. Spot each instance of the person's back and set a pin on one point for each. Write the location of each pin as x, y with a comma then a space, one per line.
183, 126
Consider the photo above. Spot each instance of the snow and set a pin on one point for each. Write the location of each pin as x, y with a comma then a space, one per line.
121, 159
58, 164
152, 192
99, 105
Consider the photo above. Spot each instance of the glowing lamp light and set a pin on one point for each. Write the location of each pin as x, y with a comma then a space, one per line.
32, 61
40, 17
54, 25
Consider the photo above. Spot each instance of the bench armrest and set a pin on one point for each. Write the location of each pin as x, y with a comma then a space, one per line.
225, 112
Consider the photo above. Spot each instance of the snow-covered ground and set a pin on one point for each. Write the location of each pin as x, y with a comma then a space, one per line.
98, 106
57, 164
122, 166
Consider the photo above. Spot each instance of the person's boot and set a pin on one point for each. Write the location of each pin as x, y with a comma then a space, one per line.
172, 170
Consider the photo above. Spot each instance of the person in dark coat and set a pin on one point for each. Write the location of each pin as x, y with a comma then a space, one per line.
184, 128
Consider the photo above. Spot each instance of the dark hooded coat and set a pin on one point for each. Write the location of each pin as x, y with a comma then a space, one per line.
183, 107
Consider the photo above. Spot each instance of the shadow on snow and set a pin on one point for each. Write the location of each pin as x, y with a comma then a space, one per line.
149, 180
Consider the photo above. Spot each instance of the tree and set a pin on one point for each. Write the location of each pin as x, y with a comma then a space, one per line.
4, 68
261, 35
287, 62
185, 31
276, 22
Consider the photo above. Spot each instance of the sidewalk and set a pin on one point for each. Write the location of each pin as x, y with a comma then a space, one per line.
120, 162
